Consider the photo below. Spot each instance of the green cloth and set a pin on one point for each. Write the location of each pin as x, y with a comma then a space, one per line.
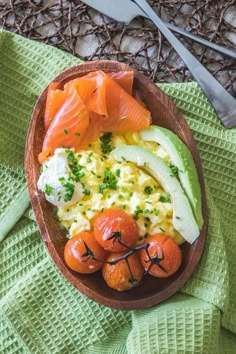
40, 311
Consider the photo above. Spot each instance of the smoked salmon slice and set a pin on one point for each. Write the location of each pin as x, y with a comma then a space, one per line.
92, 90
55, 99
68, 126
125, 113
124, 78
88, 106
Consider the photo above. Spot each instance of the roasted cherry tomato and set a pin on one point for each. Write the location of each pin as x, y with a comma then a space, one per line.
114, 228
79, 251
163, 256
122, 275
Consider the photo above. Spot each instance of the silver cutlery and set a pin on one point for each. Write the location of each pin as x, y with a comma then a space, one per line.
126, 10
107, 7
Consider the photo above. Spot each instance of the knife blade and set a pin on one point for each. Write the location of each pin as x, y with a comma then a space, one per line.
126, 10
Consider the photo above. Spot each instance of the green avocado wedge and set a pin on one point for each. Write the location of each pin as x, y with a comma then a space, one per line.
183, 218
181, 158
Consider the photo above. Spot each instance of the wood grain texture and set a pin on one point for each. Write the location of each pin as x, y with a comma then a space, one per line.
165, 114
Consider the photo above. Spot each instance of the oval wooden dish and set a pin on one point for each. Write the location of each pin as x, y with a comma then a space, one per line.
165, 114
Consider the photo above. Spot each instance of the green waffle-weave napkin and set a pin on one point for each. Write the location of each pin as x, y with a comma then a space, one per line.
40, 312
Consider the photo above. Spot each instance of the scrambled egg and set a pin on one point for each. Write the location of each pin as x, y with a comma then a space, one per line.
108, 183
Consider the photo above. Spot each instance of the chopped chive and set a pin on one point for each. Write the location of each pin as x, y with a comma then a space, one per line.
148, 190
162, 229
109, 181
86, 192
118, 172
77, 134
65, 131
156, 211
174, 169
137, 211
178, 217
146, 211
165, 198
106, 143
48, 189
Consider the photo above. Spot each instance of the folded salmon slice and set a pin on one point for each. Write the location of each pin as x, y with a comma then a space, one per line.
92, 90
87, 87
89, 105
55, 99
124, 78
68, 126
125, 113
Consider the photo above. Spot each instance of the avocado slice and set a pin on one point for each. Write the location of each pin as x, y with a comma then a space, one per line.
183, 219
180, 157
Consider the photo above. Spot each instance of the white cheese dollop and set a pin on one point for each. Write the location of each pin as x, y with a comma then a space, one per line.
55, 174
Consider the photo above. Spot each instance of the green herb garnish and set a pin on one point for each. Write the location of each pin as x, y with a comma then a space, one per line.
165, 198
106, 143
148, 190
137, 211
86, 192
109, 181
48, 189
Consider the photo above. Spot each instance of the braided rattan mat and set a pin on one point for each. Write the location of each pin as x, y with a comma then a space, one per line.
74, 27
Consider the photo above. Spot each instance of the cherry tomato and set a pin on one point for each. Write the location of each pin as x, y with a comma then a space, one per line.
121, 276
113, 228
163, 256
78, 250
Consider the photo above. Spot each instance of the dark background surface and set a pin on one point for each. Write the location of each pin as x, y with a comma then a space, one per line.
73, 27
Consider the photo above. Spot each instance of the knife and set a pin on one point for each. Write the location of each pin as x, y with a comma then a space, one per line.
119, 11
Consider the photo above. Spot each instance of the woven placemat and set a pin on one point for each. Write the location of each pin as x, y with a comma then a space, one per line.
77, 29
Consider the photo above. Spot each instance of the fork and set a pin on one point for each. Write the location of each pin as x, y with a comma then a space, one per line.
221, 100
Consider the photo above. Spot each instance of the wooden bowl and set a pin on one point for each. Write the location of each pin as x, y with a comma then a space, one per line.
165, 114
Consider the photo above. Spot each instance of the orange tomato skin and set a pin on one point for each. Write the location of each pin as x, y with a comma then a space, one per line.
115, 221
75, 249
161, 245
118, 276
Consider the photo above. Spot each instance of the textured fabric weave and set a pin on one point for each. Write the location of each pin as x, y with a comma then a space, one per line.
40, 312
